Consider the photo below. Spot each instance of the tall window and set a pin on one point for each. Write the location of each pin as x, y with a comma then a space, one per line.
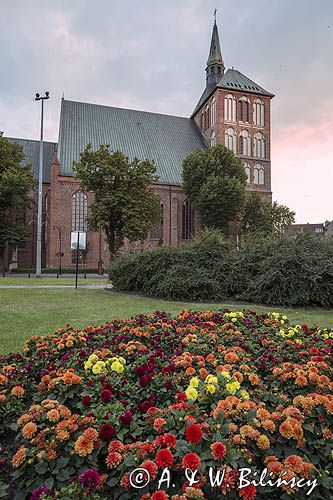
245, 143
79, 211
259, 145
188, 220
230, 139
213, 138
259, 174
244, 109
258, 113
247, 169
156, 233
213, 112
230, 108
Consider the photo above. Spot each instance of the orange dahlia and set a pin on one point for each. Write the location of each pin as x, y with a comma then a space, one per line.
113, 459
19, 457
29, 430
83, 446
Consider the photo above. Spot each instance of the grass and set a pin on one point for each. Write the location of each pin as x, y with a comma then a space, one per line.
24, 312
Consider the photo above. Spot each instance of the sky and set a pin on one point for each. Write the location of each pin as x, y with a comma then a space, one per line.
151, 54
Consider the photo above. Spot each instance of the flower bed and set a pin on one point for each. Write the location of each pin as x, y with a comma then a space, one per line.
188, 400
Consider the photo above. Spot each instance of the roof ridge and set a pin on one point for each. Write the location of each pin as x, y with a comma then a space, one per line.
127, 109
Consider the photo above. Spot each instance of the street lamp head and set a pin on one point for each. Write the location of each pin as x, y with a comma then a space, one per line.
47, 94
37, 96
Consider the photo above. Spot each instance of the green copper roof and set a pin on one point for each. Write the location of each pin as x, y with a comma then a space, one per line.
31, 152
167, 140
232, 80
215, 56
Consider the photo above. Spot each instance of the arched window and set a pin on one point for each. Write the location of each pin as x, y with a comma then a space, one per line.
230, 139
202, 120
245, 143
258, 113
79, 211
188, 221
213, 138
247, 169
259, 174
230, 108
244, 109
213, 112
259, 145
156, 233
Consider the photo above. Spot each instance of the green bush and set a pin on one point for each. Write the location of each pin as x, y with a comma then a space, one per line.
289, 270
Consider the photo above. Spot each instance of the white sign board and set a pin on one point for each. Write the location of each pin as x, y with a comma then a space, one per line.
82, 237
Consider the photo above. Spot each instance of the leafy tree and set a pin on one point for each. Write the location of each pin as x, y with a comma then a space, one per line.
124, 203
15, 184
263, 218
214, 180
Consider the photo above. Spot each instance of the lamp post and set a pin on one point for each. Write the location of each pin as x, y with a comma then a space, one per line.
40, 190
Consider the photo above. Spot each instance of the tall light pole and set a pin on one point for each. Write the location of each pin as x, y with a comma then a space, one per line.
40, 190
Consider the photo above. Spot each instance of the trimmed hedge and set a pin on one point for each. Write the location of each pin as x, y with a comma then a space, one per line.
291, 270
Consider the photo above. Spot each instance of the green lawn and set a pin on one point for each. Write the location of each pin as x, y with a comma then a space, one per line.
26, 312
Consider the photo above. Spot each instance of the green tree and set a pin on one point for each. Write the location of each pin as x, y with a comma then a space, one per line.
214, 180
125, 204
15, 184
263, 218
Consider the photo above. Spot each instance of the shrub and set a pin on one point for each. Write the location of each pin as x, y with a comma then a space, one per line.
289, 270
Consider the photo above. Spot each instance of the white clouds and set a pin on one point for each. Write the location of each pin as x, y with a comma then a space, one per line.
150, 54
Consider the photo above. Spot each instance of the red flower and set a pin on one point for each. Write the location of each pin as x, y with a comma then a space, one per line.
169, 440
86, 400
151, 468
144, 381
193, 433
90, 479
126, 418
248, 493
218, 450
191, 461
181, 396
105, 395
164, 458
106, 432
159, 495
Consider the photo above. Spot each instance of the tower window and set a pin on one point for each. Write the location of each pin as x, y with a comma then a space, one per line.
244, 110
245, 143
230, 139
258, 113
156, 233
230, 108
213, 138
259, 174
259, 145
247, 169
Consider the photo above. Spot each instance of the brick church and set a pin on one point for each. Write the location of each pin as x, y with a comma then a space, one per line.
233, 110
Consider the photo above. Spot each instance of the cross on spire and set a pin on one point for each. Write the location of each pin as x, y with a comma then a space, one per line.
215, 10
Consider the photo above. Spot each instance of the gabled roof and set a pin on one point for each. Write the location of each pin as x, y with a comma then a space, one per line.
232, 80
166, 139
31, 153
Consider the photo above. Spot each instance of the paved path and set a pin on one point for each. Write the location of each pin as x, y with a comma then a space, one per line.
95, 285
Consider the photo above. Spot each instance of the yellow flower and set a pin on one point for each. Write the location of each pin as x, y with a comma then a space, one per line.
99, 367
298, 341
244, 394
93, 358
285, 317
117, 367
225, 374
122, 360
210, 388
211, 379
232, 387
194, 382
87, 365
191, 393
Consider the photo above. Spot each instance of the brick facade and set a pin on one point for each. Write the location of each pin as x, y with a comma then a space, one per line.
221, 125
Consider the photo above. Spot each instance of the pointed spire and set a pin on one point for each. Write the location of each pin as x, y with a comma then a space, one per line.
215, 63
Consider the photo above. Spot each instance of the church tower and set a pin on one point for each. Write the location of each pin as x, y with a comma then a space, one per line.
235, 111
